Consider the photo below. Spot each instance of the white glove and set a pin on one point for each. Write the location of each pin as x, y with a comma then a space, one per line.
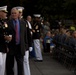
30, 49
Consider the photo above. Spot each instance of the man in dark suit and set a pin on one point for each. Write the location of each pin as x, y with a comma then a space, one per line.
26, 56
19, 43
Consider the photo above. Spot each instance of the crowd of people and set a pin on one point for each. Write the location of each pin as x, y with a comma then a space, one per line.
19, 37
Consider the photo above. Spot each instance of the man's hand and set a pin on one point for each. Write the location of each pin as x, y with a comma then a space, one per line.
8, 37
33, 31
30, 49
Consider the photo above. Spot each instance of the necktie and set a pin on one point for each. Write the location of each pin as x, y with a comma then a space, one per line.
17, 34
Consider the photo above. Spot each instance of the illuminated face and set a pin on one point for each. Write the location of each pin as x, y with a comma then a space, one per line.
14, 13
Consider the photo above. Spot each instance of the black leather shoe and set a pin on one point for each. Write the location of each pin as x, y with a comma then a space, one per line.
38, 60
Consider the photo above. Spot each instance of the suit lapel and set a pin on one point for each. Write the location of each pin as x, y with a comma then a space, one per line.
11, 22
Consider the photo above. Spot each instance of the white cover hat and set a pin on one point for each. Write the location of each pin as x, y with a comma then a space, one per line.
19, 8
37, 15
3, 8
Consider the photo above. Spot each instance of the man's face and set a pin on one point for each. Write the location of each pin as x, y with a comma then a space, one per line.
0, 14
20, 14
29, 18
37, 19
14, 13
74, 34
3, 14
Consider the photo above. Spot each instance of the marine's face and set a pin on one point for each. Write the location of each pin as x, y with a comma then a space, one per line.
3, 15
20, 14
37, 19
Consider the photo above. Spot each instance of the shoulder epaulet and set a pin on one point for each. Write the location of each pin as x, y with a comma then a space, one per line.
26, 25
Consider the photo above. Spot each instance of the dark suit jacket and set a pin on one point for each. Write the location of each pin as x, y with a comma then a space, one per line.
23, 37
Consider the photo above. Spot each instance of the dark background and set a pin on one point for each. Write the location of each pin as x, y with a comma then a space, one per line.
50, 9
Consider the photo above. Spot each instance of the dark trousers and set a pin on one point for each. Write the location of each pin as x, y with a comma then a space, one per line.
10, 62
47, 47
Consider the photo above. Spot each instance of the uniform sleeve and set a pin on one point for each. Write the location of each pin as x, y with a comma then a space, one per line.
29, 36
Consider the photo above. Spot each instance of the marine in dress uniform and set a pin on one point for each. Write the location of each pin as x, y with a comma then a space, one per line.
36, 37
4, 37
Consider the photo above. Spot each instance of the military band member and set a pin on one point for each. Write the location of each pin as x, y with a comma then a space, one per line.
36, 37
4, 37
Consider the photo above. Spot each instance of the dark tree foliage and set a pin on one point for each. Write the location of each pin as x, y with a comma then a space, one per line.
47, 8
